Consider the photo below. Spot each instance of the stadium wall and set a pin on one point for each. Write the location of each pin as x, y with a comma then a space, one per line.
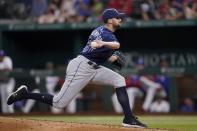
32, 45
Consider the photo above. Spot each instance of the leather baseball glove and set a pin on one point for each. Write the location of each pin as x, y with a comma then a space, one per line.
120, 62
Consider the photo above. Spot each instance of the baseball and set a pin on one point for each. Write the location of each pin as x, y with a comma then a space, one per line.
94, 44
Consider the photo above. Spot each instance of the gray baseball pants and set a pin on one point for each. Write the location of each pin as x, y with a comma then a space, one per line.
81, 71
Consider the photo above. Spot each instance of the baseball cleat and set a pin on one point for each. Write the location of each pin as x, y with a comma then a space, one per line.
17, 95
133, 122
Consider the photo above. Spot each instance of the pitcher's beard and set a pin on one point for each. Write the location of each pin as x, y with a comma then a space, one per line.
116, 27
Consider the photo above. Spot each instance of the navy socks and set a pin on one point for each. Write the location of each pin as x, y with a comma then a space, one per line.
44, 98
124, 101
121, 95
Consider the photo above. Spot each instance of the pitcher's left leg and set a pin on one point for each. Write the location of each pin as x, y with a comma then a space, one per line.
107, 76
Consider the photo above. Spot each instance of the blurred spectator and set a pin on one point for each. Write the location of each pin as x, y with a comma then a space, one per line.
194, 8
187, 105
51, 15
83, 10
14, 9
39, 7
121, 5
152, 87
187, 6
177, 9
67, 12
148, 10
160, 105
114, 4
164, 10
3, 8
22, 9
60, 11
96, 8
136, 9
7, 84
190, 8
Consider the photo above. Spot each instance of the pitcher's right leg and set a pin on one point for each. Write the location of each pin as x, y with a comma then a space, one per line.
78, 75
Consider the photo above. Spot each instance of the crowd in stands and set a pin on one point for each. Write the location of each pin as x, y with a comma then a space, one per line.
59, 11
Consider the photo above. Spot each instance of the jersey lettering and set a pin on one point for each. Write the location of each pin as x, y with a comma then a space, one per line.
99, 55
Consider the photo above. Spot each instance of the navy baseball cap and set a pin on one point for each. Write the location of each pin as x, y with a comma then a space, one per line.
112, 13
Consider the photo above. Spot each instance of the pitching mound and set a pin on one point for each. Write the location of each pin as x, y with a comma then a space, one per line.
13, 124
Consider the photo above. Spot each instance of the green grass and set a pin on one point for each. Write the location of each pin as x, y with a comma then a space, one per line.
182, 123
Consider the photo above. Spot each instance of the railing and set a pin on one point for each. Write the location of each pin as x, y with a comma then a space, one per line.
81, 26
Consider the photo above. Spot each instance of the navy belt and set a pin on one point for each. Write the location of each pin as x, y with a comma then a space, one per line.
94, 65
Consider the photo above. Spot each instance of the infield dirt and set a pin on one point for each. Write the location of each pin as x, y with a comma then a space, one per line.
17, 124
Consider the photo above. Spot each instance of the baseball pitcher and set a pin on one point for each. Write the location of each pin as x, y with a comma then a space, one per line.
87, 67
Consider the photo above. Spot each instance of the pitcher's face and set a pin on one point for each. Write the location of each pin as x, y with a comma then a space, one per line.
116, 22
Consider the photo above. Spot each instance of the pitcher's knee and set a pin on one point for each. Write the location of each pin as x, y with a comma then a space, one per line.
119, 82
59, 105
